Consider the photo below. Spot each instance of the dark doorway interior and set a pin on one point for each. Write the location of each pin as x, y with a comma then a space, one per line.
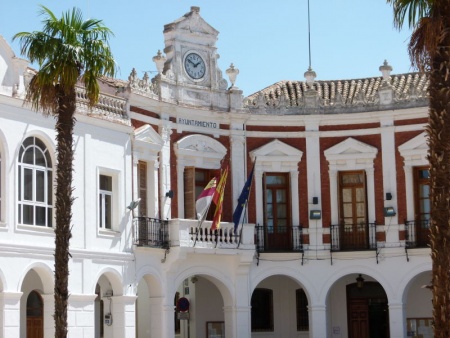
367, 311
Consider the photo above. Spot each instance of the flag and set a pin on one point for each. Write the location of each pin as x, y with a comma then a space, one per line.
218, 199
243, 197
204, 199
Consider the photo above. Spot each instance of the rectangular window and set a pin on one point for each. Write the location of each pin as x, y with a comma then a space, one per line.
105, 201
302, 310
195, 180
142, 182
277, 215
262, 310
354, 229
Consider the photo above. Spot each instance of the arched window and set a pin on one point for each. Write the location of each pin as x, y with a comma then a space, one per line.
35, 183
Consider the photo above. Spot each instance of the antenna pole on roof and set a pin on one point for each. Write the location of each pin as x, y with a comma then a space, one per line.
309, 37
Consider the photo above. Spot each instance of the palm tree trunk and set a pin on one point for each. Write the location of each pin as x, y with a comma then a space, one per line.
439, 157
64, 136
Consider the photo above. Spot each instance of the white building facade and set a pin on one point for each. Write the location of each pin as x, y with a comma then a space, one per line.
333, 242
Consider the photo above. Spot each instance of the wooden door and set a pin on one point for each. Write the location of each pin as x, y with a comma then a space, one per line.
35, 318
277, 212
358, 318
354, 234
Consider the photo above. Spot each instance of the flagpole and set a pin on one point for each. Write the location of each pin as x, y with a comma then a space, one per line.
200, 222
246, 204
245, 215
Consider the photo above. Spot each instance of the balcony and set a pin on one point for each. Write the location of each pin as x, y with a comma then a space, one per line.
151, 232
353, 237
186, 233
417, 233
279, 238
108, 107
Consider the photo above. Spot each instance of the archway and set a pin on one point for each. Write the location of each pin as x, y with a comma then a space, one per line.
36, 303
367, 310
357, 307
199, 308
418, 306
279, 307
149, 303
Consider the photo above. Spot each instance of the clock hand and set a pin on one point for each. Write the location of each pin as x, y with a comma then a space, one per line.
192, 62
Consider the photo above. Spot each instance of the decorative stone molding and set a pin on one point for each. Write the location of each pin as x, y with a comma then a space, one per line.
200, 151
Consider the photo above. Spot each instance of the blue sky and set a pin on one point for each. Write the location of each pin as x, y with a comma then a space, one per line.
266, 40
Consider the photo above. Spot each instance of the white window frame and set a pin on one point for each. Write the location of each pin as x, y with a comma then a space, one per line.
34, 170
351, 155
198, 151
277, 156
114, 193
414, 153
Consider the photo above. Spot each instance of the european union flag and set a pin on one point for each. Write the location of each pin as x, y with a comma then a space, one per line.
243, 197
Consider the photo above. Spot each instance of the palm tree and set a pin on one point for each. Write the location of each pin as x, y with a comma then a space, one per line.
67, 50
429, 50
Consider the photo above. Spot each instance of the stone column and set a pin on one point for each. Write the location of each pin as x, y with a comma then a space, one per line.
10, 314
180, 189
318, 321
165, 176
124, 316
397, 320
333, 194
259, 197
294, 198
81, 315
156, 316
167, 327
370, 194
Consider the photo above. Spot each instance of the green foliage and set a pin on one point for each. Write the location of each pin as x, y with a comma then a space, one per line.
67, 50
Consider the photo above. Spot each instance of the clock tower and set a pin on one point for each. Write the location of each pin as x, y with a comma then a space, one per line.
190, 74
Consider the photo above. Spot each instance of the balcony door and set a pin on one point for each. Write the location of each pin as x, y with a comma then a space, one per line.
277, 211
353, 210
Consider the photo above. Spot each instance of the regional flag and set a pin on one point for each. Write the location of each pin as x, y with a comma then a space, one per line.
218, 199
243, 197
204, 199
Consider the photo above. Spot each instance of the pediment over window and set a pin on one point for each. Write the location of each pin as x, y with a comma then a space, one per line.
276, 156
147, 140
147, 135
351, 154
200, 151
415, 150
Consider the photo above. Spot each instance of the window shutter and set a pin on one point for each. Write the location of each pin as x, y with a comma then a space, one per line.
189, 192
142, 179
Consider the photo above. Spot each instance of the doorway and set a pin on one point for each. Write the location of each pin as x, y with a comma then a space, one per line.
35, 315
367, 311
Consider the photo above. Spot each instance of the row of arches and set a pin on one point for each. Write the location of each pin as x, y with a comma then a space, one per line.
290, 303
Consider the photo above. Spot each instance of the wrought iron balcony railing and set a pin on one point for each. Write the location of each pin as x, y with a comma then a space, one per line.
417, 233
352, 237
151, 232
279, 238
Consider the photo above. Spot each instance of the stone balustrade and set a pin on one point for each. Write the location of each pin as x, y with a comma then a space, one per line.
109, 107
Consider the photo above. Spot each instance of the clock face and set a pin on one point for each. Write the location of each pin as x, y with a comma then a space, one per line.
195, 66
